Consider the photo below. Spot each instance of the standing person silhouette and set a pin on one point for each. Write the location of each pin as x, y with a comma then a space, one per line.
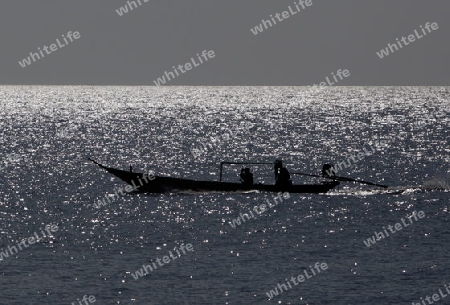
282, 176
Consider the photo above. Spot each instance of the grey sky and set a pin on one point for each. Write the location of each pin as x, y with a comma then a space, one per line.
138, 47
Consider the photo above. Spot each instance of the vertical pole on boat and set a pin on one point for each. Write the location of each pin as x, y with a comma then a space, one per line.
220, 175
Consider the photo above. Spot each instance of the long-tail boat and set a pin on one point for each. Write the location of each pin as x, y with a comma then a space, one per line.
157, 184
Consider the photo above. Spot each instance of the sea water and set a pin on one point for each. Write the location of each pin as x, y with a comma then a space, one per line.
398, 136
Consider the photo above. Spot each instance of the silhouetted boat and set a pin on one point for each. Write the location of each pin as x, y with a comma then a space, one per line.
158, 184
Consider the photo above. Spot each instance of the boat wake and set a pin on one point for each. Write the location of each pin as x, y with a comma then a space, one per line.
396, 190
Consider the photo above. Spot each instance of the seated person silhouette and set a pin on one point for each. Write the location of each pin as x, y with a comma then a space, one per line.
246, 177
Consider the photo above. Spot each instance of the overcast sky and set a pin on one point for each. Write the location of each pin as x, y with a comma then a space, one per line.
138, 47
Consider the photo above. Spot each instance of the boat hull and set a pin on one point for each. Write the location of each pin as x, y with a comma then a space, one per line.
157, 184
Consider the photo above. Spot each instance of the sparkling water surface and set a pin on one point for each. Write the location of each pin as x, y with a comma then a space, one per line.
47, 134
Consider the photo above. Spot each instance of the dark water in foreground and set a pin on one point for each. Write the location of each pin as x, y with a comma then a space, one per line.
47, 133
